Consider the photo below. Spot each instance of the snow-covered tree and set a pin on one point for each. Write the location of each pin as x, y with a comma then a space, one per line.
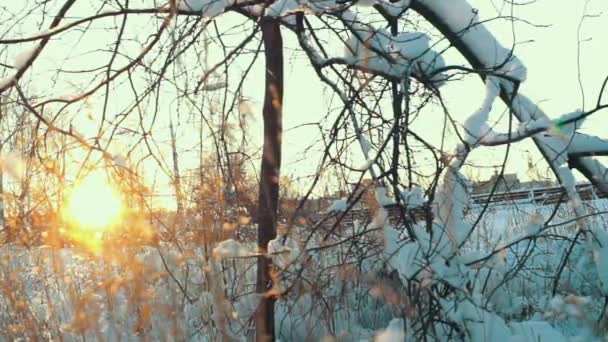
122, 80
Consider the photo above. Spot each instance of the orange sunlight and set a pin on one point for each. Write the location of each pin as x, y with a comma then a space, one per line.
94, 204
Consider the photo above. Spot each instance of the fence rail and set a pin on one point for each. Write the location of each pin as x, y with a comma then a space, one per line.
539, 196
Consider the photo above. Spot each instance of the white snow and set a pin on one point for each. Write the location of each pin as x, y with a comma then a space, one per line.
366, 146
599, 171
338, 205
231, 249
119, 160
367, 164
22, 58
281, 8
380, 219
583, 143
427, 256
393, 333
404, 258
410, 44
533, 125
367, 149
559, 307
480, 318
377, 51
451, 199
391, 242
599, 246
190, 5
381, 198
208, 8
476, 126
396, 8
567, 178
55, 29
535, 331
569, 128
12, 164
283, 254
461, 18
481, 325
535, 224
5, 82
413, 198
214, 86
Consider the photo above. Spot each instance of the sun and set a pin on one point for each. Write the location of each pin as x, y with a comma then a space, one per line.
93, 204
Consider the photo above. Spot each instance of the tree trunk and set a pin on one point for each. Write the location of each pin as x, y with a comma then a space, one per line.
269, 172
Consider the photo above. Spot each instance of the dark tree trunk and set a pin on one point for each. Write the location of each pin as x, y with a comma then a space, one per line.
270, 171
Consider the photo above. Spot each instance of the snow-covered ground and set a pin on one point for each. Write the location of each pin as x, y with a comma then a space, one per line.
173, 294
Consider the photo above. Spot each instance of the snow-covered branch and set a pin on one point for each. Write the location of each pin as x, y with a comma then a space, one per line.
456, 20
584, 145
24, 60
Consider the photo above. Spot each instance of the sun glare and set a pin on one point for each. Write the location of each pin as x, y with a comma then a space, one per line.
94, 204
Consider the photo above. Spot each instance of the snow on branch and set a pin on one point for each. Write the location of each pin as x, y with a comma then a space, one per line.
392, 8
413, 198
283, 8
20, 62
207, 8
593, 170
525, 130
564, 128
376, 51
587, 145
284, 253
458, 21
463, 20
25, 60
451, 200
231, 249
476, 126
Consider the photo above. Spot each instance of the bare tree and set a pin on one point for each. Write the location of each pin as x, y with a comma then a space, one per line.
404, 248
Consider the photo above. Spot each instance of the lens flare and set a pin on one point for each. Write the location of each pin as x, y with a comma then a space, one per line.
94, 204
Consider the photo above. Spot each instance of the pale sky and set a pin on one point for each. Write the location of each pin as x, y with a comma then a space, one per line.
549, 53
